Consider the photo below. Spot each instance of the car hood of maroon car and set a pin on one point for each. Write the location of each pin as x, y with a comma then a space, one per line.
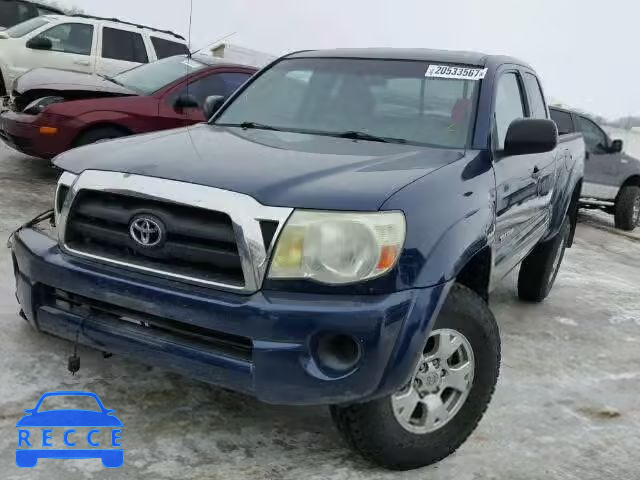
64, 80
276, 168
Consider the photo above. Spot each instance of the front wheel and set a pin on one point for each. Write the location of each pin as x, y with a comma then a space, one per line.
447, 395
99, 135
627, 209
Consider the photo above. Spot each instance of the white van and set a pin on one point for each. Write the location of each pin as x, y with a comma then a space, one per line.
81, 43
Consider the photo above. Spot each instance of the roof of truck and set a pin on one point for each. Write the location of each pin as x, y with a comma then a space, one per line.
419, 54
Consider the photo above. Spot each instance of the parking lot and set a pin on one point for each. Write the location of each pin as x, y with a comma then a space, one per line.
566, 406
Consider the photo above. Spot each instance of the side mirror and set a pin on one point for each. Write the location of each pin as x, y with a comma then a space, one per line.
616, 146
40, 43
211, 105
185, 101
530, 135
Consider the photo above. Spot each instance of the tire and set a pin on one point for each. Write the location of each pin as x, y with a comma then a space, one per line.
627, 210
540, 268
374, 430
3, 87
99, 134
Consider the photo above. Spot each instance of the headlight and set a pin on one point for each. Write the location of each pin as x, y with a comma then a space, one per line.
37, 106
338, 248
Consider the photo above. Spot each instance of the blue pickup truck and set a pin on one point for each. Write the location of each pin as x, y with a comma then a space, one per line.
329, 237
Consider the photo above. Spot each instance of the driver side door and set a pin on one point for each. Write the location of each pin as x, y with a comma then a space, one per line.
520, 217
72, 45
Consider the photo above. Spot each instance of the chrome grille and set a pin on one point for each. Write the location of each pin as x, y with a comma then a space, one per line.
213, 237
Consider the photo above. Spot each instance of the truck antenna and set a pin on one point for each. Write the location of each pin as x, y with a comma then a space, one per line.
190, 24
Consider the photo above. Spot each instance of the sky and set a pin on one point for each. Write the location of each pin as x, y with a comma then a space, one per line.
583, 50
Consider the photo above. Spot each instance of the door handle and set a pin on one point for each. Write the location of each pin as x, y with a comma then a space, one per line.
84, 63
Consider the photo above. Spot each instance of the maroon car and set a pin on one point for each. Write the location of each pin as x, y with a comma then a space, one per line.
52, 111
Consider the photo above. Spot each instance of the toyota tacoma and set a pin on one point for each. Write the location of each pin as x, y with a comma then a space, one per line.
329, 237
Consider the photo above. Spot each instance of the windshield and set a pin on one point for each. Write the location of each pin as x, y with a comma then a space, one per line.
151, 77
388, 99
21, 29
69, 402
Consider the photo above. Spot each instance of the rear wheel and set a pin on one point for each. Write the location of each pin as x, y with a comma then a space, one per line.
627, 210
447, 395
3, 87
98, 135
539, 270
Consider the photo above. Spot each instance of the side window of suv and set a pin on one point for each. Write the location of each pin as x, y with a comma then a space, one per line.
123, 45
167, 48
534, 94
594, 136
509, 105
70, 38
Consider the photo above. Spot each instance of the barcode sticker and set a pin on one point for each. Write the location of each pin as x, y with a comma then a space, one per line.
447, 71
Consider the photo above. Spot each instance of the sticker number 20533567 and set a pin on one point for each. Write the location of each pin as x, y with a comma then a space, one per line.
463, 73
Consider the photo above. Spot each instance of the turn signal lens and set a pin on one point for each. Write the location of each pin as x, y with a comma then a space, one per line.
48, 130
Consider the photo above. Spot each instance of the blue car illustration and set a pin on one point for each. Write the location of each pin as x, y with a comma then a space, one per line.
35, 420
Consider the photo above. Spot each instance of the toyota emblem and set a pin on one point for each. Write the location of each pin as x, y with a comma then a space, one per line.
146, 231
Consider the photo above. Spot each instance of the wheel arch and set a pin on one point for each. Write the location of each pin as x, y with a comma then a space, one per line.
476, 273
633, 180
98, 126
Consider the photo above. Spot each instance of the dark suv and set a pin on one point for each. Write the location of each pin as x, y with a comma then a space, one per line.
13, 12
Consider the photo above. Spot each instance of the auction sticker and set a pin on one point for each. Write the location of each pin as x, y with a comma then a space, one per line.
463, 73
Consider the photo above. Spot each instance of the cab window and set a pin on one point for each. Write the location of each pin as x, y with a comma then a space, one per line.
563, 121
509, 106
594, 137
537, 107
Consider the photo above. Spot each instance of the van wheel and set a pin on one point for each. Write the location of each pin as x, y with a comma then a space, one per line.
98, 135
627, 212
539, 270
445, 398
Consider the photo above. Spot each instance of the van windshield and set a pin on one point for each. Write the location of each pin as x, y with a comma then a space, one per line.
387, 99
151, 77
22, 29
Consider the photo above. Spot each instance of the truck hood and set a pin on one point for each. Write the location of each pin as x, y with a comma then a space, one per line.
276, 168
64, 80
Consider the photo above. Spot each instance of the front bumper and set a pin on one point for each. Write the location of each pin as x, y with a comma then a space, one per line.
22, 132
279, 360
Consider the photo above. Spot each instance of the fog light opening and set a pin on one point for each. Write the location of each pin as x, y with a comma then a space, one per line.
340, 353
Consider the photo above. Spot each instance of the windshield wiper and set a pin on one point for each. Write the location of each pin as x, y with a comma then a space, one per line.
356, 135
250, 125
111, 79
